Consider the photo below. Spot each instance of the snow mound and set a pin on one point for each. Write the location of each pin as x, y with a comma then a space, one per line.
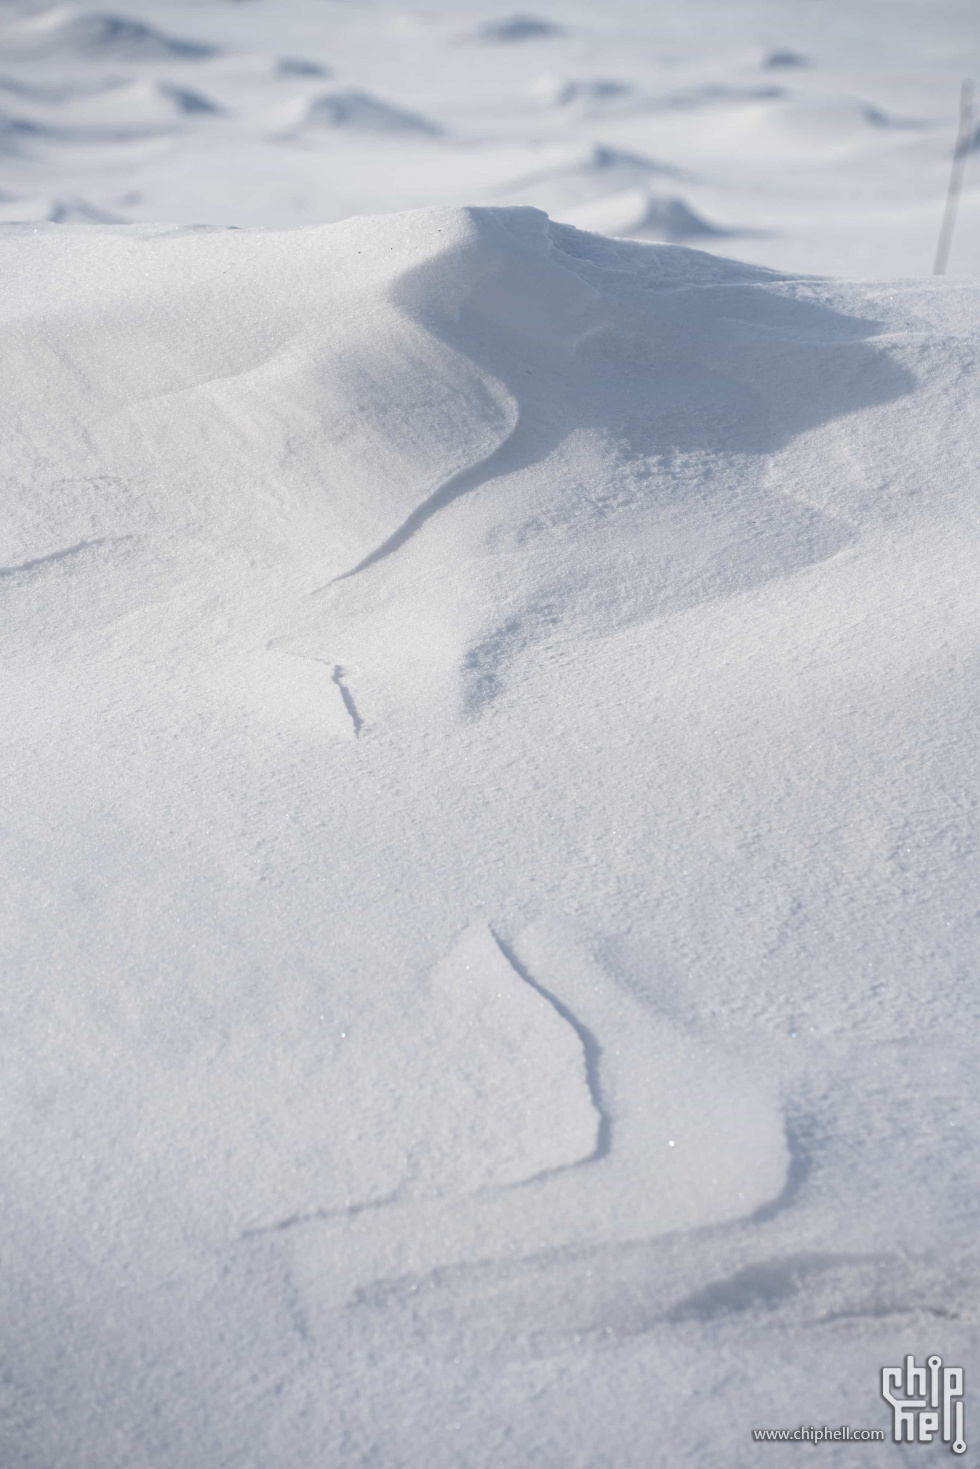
567, 91
298, 66
331, 394
373, 403
45, 91
517, 1067
118, 113
359, 112
515, 28
639, 214
607, 93
146, 101
880, 119
67, 30
775, 60
598, 172
187, 100
799, 127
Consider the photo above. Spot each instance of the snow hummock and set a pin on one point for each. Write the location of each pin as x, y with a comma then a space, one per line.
814, 146
561, 91
71, 30
472, 694
515, 28
640, 214
488, 737
674, 1147
599, 174
783, 57
363, 113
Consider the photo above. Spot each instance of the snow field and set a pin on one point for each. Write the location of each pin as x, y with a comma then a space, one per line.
488, 741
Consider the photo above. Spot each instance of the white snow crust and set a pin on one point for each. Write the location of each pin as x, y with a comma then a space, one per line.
489, 924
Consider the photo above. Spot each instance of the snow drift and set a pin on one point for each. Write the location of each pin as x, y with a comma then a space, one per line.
313, 400
68, 30
361, 113
487, 718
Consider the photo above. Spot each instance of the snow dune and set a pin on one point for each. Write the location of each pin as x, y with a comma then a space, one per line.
488, 731
593, 174
515, 28
789, 139
71, 30
545, 377
113, 113
672, 1149
639, 214
362, 113
612, 192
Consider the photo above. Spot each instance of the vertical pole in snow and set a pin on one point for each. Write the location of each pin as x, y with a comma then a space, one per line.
955, 179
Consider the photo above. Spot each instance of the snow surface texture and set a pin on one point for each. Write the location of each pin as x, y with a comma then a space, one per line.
490, 821
802, 136
490, 845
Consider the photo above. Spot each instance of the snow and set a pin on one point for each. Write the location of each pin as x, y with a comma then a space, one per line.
70, 30
817, 138
489, 830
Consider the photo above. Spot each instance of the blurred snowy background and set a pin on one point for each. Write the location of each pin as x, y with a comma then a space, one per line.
809, 136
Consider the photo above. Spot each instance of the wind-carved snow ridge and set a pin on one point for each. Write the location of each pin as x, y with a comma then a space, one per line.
460, 483
68, 30
718, 585
515, 28
542, 1062
504, 1082
360, 113
518, 315
52, 556
591, 1048
679, 1135
608, 415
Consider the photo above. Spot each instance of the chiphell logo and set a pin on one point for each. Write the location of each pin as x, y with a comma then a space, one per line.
926, 1401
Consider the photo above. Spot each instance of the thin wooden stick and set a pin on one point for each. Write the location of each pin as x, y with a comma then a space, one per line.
955, 178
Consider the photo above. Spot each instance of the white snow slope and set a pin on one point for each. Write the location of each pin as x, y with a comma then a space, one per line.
490, 822
490, 845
